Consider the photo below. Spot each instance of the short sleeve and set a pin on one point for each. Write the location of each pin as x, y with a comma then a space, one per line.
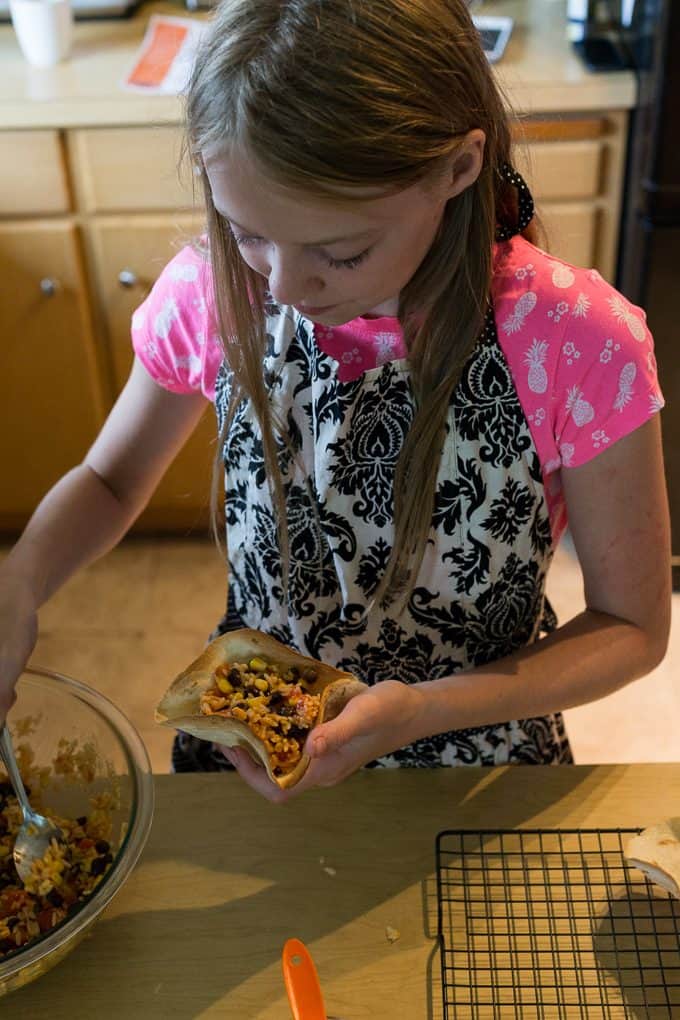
605, 383
174, 330
580, 356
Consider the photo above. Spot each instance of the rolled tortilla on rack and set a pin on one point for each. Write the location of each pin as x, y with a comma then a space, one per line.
656, 852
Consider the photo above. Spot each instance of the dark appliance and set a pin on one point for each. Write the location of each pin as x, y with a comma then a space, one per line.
648, 270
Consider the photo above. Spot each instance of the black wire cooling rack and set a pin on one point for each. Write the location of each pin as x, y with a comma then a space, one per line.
553, 924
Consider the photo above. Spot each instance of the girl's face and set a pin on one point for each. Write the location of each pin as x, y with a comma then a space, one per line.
333, 262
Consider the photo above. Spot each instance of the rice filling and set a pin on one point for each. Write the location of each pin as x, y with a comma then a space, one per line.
273, 700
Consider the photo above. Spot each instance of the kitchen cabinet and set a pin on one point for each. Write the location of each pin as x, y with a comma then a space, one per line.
574, 166
53, 394
70, 283
33, 173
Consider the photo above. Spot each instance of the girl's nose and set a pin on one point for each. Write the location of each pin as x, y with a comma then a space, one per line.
290, 282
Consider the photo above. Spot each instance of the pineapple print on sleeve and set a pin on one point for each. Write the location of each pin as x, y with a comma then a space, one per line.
611, 388
623, 313
580, 355
626, 380
537, 378
526, 304
581, 411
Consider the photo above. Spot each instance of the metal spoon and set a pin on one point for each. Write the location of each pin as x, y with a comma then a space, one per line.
36, 832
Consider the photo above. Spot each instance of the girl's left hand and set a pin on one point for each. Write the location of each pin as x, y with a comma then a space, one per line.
373, 723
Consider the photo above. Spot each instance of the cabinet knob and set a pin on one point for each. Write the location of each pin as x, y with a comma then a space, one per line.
49, 286
128, 278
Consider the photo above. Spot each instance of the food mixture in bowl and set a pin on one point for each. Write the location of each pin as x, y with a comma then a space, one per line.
70, 870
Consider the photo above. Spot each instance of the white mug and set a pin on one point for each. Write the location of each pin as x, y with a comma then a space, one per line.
44, 29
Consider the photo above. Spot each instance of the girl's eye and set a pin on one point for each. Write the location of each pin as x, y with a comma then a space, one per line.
347, 263
244, 239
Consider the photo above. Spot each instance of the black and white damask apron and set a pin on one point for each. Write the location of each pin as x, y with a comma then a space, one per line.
480, 591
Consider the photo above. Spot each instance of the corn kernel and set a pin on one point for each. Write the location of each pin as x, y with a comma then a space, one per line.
224, 685
257, 665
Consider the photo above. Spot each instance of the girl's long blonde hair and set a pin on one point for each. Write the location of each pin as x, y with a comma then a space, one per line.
325, 94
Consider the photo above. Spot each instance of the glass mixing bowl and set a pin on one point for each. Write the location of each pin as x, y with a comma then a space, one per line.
61, 708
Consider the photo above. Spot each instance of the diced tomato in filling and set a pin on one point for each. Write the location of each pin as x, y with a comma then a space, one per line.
307, 708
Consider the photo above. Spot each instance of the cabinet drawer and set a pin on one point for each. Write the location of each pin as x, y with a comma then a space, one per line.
52, 403
562, 170
571, 231
131, 169
32, 173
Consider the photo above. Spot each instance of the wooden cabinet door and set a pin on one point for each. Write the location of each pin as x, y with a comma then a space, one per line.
52, 403
571, 228
574, 165
129, 253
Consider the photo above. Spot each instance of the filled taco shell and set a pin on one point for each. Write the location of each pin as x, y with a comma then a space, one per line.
179, 707
656, 852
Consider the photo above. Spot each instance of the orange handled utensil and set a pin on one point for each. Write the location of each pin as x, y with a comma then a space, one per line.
302, 982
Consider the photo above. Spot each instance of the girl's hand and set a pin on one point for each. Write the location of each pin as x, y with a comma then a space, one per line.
373, 723
18, 635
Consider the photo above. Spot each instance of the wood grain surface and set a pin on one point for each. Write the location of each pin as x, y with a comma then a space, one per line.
226, 878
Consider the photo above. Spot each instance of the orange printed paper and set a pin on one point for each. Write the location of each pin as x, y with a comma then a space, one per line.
156, 60
166, 55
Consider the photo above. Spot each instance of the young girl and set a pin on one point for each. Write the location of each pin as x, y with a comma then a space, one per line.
413, 399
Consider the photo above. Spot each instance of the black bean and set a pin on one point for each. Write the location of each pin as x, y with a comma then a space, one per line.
82, 820
55, 898
12, 922
234, 677
102, 847
3, 825
7, 945
6, 789
98, 865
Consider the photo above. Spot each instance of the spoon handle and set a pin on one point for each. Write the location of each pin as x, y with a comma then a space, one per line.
7, 755
302, 982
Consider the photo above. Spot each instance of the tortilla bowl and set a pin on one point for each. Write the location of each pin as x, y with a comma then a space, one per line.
179, 706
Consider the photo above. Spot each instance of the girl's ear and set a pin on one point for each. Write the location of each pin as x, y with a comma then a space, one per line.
467, 163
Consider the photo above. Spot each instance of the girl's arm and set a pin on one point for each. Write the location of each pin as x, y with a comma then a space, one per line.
618, 517
89, 510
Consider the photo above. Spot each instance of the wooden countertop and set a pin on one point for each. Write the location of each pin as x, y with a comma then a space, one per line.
539, 72
226, 878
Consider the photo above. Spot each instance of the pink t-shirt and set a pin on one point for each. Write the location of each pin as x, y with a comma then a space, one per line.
580, 355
